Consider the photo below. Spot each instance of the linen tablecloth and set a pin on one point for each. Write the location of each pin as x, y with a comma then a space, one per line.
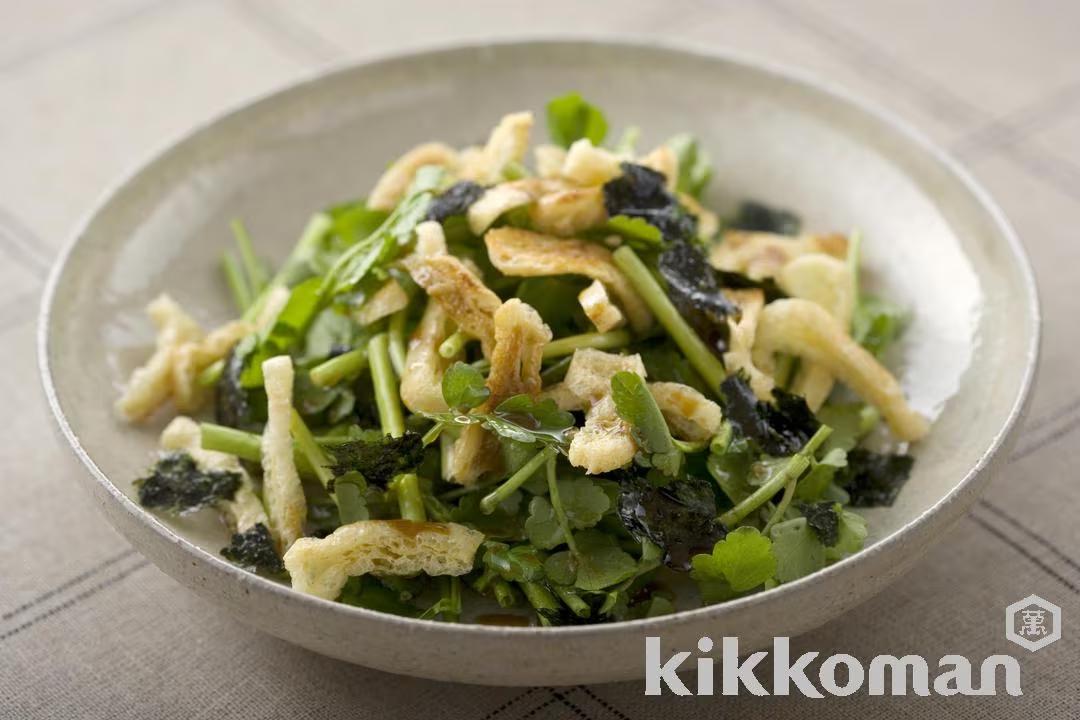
88, 628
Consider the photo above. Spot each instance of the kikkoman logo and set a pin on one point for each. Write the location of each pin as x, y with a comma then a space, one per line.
837, 674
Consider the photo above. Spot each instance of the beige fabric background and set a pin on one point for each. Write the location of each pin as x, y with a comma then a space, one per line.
88, 89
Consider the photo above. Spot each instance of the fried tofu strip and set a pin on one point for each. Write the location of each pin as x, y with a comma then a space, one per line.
586, 164
506, 144
690, 415
520, 337
285, 502
462, 295
741, 334
603, 313
549, 160
245, 510
151, 385
391, 187
761, 255
384, 302
605, 443
828, 282
493, 203
421, 378
192, 358
569, 211
522, 253
320, 567
804, 328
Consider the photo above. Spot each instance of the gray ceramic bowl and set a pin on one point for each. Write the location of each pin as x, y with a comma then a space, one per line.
934, 241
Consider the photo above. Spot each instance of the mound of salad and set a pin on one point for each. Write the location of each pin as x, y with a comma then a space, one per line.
555, 389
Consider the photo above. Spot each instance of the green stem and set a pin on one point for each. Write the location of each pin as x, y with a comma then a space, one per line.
410, 499
337, 369
515, 481
253, 267
573, 601
556, 504
539, 597
568, 345
296, 266
694, 348
396, 331
432, 435
790, 471
453, 345
211, 374
244, 445
306, 445
386, 390
504, 593
789, 492
236, 281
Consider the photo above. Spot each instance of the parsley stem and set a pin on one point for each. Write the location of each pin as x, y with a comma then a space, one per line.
234, 278
697, 352
310, 450
788, 472
565, 346
432, 435
386, 391
253, 267
343, 367
540, 598
296, 267
244, 445
512, 483
573, 601
454, 344
410, 499
396, 331
504, 593
211, 373
556, 504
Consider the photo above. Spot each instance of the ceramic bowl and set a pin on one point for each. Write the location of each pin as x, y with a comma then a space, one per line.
934, 241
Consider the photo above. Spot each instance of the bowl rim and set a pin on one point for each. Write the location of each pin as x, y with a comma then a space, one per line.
620, 41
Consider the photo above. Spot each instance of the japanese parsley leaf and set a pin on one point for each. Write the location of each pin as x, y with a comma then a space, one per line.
570, 118
636, 405
463, 387
877, 323
584, 503
851, 533
521, 563
695, 166
601, 563
798, 550
744, 559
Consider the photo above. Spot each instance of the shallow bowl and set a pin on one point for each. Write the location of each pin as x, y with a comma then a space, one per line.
933, 241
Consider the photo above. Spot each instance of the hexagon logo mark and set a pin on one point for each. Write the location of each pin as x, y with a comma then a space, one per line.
1033, 623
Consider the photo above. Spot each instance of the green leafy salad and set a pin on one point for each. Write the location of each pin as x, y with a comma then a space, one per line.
534, 393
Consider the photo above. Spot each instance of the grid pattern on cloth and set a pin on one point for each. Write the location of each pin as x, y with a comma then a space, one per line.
88, 628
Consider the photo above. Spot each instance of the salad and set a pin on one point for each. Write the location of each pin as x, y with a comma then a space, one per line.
534, 395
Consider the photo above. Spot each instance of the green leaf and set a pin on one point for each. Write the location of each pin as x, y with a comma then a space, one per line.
641, 235
350, 491
463, 387
352, 222
560, 568
570, 118
744, 559
822, 472
521, 563
584, 503
695, 166
851, 422
519, 418
850, 536
289, 327
877, 323
599, 564
331, 331
636, 405
369, 592
798, 550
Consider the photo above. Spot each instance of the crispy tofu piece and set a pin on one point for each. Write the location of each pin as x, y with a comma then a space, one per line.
285, 502
460, 292
586, 164
320, 567
430, 239
664, 161
151, 385
689, 414
192, 358
475, 453
760, 255
493, 203
391, 187
421, 378
589, 376
522, 253
828, 282
245, 509
384, 302
603, 313
549, 160
569, 211
506, 144
605, 443
741, 334
806, 329
520, 337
